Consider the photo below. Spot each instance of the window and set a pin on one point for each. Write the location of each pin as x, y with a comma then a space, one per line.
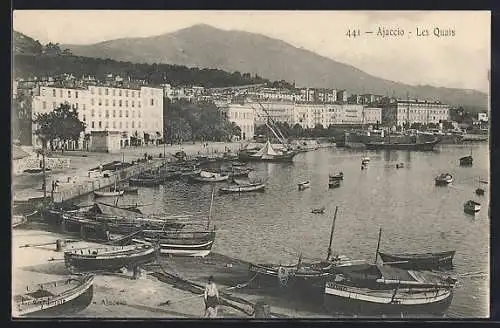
126, 103
114, 125
100, 93
92, 92
120, 125
107, 113
132, 124
44, 105
53, 92
120, 113
133, 103
126, 113
107, 124
120, 103
100, 122
93, 125
54, 105
84, 118
92, 112
60, 93
126, 93
83, 107
106, 92
100, 112
152, 102
114, 92
100, 102
139, 114
126, 125
139, 94
92, 101
120, 93
114, 103
133, 113
106, 102
133, 94
76, 105
114, 112
76, 94
139, 123
69, 94
139, 104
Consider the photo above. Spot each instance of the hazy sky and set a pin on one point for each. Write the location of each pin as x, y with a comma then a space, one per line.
460, 61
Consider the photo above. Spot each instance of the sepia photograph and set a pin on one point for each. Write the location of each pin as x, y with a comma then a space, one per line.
171, 164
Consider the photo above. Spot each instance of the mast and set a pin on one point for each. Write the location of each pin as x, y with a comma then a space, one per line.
210, 210
378, 245
331, 235
44, 177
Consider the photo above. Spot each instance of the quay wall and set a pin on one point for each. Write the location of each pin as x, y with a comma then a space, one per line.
80, 187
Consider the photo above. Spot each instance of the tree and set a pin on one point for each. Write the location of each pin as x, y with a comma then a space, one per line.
60, 124
297, 130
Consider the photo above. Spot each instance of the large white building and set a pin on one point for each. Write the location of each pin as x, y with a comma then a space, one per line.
415, 111
243, 115
136, 113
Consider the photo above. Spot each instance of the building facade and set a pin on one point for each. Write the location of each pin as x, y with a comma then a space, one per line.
137, 113
414, 111
243, 115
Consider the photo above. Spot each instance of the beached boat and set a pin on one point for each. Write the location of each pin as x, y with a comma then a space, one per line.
304, 185
55, 298
338, 176
423, 261
18, 220
479, 191
369, 289
443, 179
110, 193
237, 188
183, 243
110, 258
334, 184
130, 190
471, 206
206, 176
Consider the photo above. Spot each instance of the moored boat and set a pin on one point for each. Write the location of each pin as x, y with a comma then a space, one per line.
320, 210
182, 243
420, 146
471, 206
55, 298
130, 190
110, 258
334, 184
400, 165
443, 179
424, 261
466, 161
111, 193
479, 191
338, 176
267, 154
238, 188
205, 176
304, 185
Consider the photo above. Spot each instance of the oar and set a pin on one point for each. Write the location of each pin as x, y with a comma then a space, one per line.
49, 243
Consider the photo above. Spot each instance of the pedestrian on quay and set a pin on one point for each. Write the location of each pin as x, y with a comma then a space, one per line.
211, 298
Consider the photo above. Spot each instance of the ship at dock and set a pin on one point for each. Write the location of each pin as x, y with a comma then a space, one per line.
404, 141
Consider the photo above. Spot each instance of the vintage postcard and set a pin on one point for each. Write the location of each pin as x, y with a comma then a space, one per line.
250, 164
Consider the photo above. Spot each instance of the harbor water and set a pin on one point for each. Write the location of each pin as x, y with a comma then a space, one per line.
414, 214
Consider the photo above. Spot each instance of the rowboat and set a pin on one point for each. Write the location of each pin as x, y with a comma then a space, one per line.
471, 206
369, 289
237, 188
424, 261
466, 161
205, 176
320, 210
304, 185
400, 165
338, 176
480, 191
111, 193
108, 258
443, 179
183, 243
54, 298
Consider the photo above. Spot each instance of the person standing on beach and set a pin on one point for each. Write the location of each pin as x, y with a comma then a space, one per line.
211, 298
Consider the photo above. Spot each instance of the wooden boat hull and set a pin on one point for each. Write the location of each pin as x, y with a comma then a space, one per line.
239, 189
69, 303
197, 244
466, 161
443, 182
77, 261
108, 193
426, 261
343, 299
287, 158
203, 179
304, 185
334, 184
424, 146
131, 190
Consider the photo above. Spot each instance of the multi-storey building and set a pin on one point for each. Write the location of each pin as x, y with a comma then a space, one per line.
342, 96
135, 112
372, 115
414, 111
277, 111
340, 114
243, 116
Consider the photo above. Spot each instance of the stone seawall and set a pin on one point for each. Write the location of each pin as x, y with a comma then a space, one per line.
33, 162
83, 186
